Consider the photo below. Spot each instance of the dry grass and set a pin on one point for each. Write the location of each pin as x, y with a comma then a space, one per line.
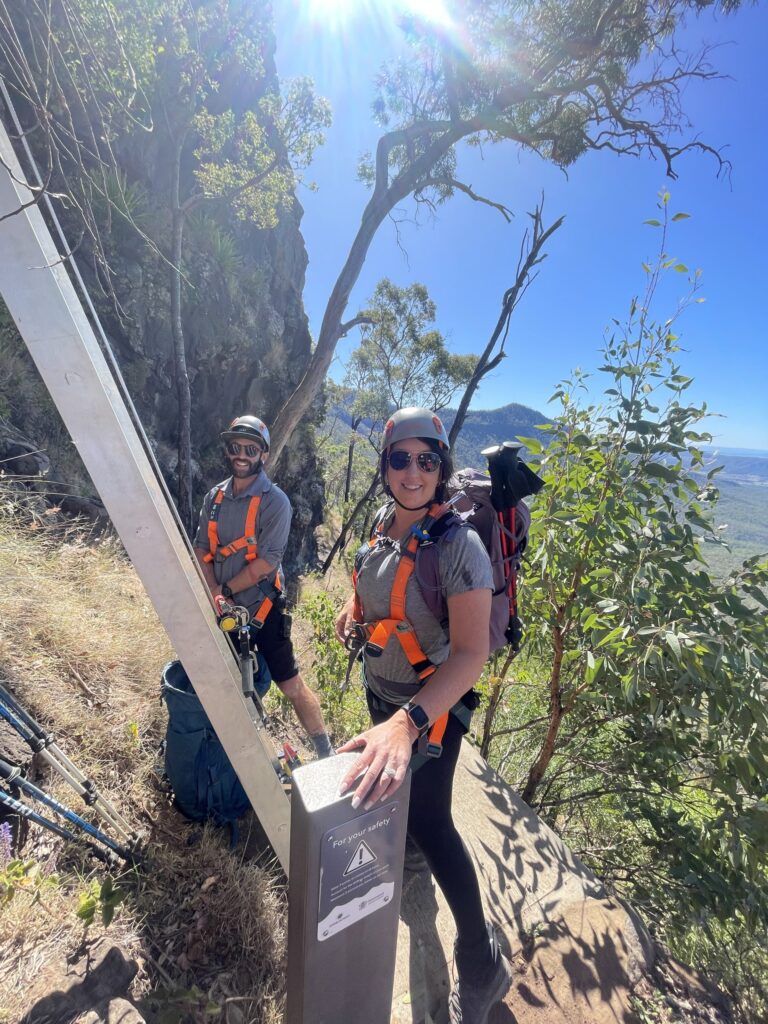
82, 649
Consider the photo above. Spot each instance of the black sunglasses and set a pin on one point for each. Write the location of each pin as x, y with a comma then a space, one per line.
235, 448
428, 462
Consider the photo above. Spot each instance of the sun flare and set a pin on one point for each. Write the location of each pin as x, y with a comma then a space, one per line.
341, 12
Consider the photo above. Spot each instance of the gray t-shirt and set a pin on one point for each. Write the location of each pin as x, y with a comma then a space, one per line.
272, 528
463, 564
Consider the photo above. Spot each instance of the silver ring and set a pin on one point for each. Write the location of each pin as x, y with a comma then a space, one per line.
390, 772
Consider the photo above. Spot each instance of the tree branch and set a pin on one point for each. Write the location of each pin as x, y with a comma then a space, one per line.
449, 182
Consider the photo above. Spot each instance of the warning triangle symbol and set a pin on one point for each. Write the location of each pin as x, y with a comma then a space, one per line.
363, 855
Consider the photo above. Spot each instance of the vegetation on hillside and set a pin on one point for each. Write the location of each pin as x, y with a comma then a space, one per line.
634, 719
81, 648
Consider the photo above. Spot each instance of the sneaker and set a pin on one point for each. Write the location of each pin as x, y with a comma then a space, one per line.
471, 1003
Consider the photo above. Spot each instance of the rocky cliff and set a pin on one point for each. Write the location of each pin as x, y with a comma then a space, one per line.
246, 333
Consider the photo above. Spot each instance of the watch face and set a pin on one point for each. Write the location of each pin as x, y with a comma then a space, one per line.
418, 716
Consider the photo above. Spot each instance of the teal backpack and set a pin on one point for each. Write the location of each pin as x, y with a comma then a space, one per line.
202, 778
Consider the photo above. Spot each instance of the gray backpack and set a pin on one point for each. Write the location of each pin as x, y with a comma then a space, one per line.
504, 541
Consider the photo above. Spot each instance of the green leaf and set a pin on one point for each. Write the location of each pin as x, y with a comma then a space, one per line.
86, 910
681, 216
674, 645
653, 223
533, 444
656, 469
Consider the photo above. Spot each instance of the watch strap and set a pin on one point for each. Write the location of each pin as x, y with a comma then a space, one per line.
418, 717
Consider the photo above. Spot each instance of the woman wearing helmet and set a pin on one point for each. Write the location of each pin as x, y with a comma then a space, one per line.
410, 686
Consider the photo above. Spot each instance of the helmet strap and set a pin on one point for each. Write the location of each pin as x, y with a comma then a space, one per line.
416, 508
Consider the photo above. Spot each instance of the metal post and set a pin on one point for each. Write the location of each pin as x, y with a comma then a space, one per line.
344, 899
40, 296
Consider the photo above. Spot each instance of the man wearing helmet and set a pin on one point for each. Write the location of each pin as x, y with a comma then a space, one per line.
418, 674
244, 525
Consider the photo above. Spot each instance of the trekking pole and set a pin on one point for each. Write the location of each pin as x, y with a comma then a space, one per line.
106, 856
12, 775
43, 743
511, 480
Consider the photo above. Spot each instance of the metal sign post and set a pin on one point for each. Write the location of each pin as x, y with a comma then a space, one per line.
48, 313
344, 899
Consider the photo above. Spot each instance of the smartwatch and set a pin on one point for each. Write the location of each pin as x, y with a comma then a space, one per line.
225, 590
418, 717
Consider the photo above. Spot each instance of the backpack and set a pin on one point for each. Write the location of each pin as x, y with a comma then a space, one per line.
473, 509
201, 775
470, 493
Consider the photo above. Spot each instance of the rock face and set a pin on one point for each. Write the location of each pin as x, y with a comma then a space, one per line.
246, 334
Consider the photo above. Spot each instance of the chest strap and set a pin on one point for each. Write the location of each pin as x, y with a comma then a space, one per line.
376, 635
247, 541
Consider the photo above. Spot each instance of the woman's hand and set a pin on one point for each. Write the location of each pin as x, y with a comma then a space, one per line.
344, 622
383, 761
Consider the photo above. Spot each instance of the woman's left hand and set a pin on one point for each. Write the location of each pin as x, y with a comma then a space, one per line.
382, 763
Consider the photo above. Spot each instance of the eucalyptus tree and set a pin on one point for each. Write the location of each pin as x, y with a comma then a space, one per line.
557, 79
651, 672
401, 360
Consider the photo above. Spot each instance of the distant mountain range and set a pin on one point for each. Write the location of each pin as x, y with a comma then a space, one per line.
743, 481
741, 469
484, 427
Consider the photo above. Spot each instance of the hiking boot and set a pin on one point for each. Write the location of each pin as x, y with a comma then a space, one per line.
472, 1001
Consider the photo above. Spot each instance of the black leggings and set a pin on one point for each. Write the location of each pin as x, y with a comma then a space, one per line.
430, 825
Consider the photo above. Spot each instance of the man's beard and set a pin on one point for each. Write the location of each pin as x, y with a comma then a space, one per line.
254, 467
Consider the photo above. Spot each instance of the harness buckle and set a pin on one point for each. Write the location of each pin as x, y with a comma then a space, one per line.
427, 748
356, 637
373, 650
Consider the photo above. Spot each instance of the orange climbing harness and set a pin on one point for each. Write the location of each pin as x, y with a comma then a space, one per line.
269, 589
248, 540
374, 636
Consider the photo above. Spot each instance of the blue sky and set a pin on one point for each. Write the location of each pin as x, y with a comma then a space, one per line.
467, 254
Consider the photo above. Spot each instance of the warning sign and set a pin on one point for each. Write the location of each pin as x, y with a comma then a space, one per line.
357, 874
363, 855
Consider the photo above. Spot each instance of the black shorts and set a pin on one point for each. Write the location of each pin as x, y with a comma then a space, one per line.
273, 641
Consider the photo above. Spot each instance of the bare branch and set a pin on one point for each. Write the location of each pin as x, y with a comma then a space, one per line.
531, 255
467, 190
356, 321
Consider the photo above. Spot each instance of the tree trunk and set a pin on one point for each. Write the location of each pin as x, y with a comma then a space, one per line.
490, 713
341, 540
348, 476
494, 699
536, 774
181, 373
384, 199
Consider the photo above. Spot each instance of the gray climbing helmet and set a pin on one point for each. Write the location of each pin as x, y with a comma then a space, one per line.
414, 422
247, 426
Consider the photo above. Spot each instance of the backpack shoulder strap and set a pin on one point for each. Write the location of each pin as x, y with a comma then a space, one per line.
381, 517
427, 571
